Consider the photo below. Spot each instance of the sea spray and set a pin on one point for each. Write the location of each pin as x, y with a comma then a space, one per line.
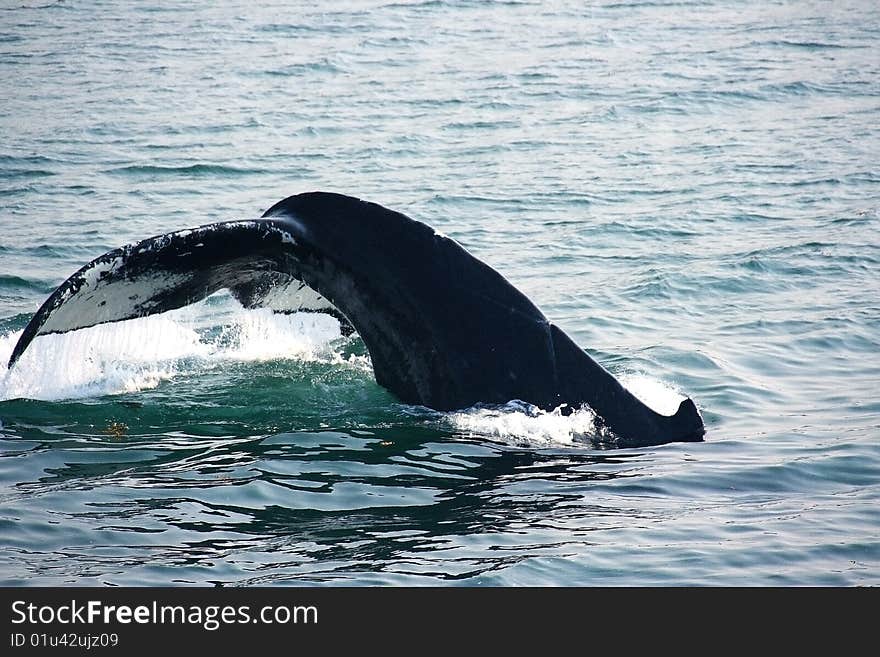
139, 354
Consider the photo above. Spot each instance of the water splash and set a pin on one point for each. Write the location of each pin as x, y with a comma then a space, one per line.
260, 335
657, 395
139, 354
523, 424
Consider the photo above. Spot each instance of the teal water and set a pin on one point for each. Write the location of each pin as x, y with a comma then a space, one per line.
690, 189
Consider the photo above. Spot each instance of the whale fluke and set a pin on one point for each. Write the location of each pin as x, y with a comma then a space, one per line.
443, 329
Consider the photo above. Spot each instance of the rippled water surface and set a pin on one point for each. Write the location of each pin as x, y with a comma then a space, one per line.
689, 189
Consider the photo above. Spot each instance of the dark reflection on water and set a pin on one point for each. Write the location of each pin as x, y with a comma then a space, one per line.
309, 506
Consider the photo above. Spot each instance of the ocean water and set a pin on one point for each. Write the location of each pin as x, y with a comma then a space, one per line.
689, 189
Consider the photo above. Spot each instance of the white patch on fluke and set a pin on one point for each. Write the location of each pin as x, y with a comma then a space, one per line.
96, 302
294, 222
286, 238
294, 296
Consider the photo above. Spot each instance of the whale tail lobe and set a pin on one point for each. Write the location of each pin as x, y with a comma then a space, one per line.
687, 423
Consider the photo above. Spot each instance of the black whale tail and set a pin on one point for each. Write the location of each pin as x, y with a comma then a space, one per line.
443, 329
581, 380
644, 426
687, 424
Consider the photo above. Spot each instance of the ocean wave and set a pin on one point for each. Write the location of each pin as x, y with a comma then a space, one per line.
187, 171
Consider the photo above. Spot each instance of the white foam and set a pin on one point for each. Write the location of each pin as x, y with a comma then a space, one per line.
138, 354
657, 395
520, 423
103, 359
523, 424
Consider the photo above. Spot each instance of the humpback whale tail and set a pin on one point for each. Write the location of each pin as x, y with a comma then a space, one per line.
443, 329
687, 422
